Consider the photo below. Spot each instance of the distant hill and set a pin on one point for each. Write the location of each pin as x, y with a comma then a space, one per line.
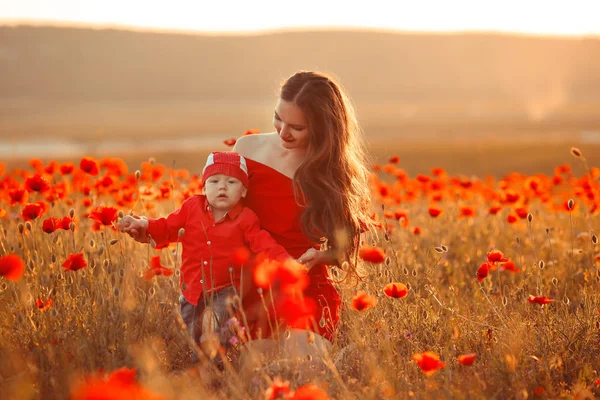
393, 75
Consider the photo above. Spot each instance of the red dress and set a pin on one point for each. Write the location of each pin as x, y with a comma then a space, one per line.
271, 197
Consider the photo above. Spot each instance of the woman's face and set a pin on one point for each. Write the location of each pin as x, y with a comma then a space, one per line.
291, 125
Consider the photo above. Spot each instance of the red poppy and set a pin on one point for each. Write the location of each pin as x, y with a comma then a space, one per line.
90, 166
511, 219
229, 142
597, 382
434, 212
297, 311
12, 267
510, 267
494, 210
104, 215
521, 212
120, 385
416, 230
466, 212
495, 256
43, 305
33, 210
362, 301
241, 256
310, 392
65, 223
36, 183
429, 362
17, 196
375, 255
467, 359
539, 299
251, 132
396, 290
74, 262
437, 171
51, 224
423, 178
289, 275
539, 391
483, 271
384, 190
156, 269
278, 390
394, 159
67, 168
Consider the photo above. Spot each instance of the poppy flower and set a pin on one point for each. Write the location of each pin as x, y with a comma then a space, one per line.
434, 212
495, 256
90, 166
51, 224
33, 210
278, 390
251, 132
375, 255
362, 301
483, 271
65, 223
297, 311
17, 196
437, 171
12, 267
467, 359
466, 212
511, 219
396, 290
289, 275
104, 215
597, 382
494, 210
416, 230
310, 392
521, 212
43, 305
402, 215
36, 183
510, 267
229, 142
429, 362
74, 262
384, 190
66, 168
120, 385
394, 160
539, 299
156, 269
241, 256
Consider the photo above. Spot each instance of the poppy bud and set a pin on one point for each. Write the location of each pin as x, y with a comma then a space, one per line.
566, 300
21, 227
555, 281
71, 213
152, 243
259, 291
594, 239
445, 248
530, 217
113, 242
570, 204
439, 250
28, 225
120, 214
116, 292
92, 243
106, 263
137, 175
53, 258
72, 226
152, 160
575, 152
541, 264
100, 249
181, 232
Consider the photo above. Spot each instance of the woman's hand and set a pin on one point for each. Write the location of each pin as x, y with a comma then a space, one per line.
314, 257
135, 226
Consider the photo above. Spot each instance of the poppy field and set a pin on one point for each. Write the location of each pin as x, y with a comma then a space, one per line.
470, 287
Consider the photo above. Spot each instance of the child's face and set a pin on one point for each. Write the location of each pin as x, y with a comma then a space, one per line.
223, 192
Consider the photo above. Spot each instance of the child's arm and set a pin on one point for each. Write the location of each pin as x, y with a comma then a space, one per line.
161, 230
259, 240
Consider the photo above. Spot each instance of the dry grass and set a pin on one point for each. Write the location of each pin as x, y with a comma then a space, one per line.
106, 316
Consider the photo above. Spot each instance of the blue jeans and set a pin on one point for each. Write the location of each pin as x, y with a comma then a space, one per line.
196, 318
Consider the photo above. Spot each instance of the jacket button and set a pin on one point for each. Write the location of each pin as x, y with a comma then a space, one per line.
208, 243
201, 280
205, 262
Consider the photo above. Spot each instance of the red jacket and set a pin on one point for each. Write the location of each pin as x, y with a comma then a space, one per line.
204, 238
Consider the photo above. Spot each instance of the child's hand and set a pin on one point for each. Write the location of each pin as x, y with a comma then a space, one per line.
135, 227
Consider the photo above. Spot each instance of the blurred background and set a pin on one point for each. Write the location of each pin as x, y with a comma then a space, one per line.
474, 87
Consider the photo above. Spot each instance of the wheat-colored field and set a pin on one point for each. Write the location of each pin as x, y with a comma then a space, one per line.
473, 323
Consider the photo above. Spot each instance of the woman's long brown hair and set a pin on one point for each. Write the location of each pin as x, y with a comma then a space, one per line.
333, 179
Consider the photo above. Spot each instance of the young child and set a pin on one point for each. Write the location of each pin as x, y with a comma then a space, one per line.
216, 224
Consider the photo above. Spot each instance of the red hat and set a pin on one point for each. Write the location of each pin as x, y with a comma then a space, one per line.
227, 163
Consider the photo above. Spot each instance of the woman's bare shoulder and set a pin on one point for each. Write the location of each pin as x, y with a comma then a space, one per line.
248, 145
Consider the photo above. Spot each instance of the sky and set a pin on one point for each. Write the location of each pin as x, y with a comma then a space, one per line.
540, 17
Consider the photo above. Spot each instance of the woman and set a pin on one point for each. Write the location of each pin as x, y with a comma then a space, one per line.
308, 180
